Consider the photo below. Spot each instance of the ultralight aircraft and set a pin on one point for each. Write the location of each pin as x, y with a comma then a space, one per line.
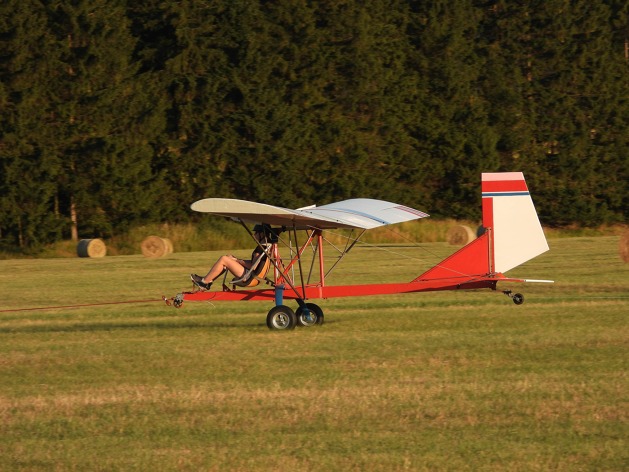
512, 235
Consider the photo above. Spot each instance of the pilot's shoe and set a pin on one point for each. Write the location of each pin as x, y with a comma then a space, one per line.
198, 281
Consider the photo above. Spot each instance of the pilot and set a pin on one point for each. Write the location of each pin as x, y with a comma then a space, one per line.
236, 266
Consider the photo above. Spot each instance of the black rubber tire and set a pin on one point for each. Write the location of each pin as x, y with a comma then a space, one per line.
281, 318
315, 312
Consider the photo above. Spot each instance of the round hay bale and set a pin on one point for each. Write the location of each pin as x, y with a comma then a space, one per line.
624, 246
91, 248
169, 246
154, 246
460, 235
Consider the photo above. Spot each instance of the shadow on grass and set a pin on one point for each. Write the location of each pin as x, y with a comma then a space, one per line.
103, 327
95, 327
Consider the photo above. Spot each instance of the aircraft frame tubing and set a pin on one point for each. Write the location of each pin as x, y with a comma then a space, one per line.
322, 292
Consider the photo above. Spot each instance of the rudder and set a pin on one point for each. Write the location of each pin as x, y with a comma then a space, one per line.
516, 233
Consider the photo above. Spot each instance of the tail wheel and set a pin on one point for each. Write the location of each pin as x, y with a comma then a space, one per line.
281, 317
517, 298
311, 316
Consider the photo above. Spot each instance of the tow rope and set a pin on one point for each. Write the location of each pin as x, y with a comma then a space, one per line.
14, 310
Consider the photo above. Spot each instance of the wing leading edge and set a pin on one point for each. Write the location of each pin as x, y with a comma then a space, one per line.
361, 213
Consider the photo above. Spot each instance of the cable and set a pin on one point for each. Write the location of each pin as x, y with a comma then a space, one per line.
14, 310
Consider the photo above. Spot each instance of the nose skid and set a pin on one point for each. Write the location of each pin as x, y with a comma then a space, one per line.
175, 301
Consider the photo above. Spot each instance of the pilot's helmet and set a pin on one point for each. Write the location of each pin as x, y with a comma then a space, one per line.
266, 230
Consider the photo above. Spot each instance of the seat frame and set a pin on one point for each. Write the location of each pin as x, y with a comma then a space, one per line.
258, 271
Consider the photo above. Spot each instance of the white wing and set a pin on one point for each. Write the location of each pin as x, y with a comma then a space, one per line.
360, 213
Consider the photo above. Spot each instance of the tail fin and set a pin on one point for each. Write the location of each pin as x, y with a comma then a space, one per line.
508, 210
513, 233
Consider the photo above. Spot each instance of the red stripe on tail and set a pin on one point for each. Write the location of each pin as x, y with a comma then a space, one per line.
504, 186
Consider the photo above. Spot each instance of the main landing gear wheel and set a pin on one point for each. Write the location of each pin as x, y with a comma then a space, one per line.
313, 317
281, 317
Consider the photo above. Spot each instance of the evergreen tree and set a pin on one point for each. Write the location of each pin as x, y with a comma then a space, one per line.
29, 213
504, 41
576, 99
370, 97
202, 98
562, 120
117, 113
106, 118
455, 140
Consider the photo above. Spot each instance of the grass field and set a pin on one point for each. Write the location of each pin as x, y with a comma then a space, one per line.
438, 381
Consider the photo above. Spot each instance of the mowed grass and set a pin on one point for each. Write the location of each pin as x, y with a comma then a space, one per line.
436, 381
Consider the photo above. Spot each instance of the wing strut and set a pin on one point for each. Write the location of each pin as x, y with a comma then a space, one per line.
345, 251
301, 273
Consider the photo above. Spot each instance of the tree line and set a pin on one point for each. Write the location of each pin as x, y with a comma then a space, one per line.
117, 113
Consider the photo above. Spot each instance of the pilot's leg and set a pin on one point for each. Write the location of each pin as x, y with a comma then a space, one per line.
224, 262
